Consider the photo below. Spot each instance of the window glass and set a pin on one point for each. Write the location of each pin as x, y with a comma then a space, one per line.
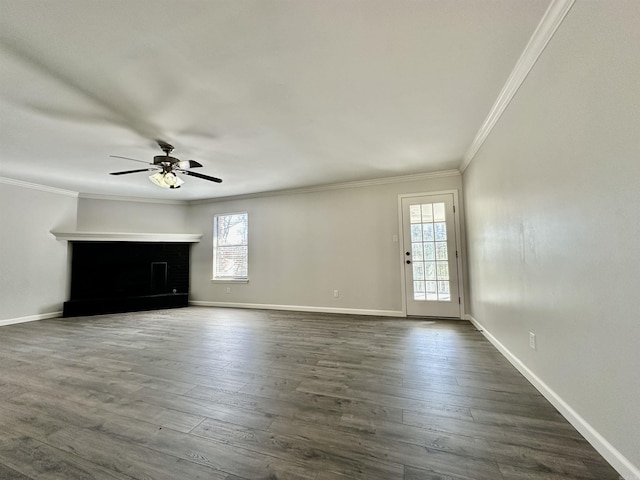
230, 245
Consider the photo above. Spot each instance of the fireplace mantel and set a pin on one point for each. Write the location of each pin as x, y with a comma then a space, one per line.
128, 237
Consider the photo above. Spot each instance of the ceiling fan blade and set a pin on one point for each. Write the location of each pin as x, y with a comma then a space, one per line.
117, 107
133, 171
132, 159
189, 164
200, 175
71, 115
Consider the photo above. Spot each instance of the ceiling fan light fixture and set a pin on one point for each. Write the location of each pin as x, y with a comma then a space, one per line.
172, 180
158, 179
166, 180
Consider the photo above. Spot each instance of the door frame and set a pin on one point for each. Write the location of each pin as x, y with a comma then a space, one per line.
459, 263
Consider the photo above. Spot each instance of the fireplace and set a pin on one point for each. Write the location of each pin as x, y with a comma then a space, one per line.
124, 276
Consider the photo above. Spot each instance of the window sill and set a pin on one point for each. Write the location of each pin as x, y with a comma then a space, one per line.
229, 280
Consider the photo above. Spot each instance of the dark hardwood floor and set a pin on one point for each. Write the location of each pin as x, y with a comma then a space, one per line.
224, 394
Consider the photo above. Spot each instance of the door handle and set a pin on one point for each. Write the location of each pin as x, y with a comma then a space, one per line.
408, 262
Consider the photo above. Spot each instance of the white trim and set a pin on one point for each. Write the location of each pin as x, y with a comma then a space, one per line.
116, 198
459, 264
30, 318
334, 186
317, 188
457, 228
36, 186
608, 451
128, 237
550, 22
229, 280
299, 308
401, 255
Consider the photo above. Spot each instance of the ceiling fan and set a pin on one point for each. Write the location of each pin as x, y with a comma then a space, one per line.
167, 168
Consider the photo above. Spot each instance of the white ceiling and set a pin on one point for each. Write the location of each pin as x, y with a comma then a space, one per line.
266, 94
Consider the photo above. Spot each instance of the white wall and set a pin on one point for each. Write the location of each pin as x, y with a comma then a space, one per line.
34, 278
303, 246
33, 274
131, 216
553, 222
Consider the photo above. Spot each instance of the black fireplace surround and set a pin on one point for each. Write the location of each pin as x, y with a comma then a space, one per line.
116, 277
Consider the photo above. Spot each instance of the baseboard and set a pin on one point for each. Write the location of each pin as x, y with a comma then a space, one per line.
608, 451
300, 308
30, 318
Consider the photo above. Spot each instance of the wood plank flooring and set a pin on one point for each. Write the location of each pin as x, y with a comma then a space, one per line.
224, 394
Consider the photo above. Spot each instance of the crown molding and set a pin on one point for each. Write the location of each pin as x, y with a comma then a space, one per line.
333, 186
127, 237
36, 186
553, 17
116, 198
416, 177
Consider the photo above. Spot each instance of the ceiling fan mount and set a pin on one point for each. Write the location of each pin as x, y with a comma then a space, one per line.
167, 148
167, 168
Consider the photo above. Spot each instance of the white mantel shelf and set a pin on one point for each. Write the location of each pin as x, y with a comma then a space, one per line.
128, 237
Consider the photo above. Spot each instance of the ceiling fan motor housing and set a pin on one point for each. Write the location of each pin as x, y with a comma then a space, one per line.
159, 159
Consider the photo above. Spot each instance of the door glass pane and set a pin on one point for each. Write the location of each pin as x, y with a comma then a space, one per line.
429, 251
431, 293
418, 270
440, 231
443, 291
427, 213
415, 216
442, 269
441, 251
438, 212
417, 251
419, 291
430, 270
427, 232
416, 233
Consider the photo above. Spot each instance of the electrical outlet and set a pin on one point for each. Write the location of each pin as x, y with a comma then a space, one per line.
336, 294
228, 289
532, 340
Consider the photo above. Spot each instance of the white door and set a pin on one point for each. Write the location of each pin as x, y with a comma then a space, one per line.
430, 256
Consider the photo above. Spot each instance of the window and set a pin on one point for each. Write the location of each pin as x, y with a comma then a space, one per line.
230, 246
